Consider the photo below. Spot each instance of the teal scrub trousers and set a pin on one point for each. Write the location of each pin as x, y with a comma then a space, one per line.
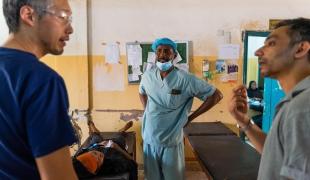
164, 163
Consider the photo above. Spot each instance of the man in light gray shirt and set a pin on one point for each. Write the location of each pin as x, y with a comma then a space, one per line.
285, 56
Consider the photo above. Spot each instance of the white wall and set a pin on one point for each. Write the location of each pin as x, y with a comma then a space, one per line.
3, 28
78, 40
196, 20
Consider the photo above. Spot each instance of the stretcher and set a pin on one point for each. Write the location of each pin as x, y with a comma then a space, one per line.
130, 138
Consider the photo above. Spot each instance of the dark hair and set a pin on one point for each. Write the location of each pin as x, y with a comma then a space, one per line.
80, 170
11, 10
250, 84
298, 30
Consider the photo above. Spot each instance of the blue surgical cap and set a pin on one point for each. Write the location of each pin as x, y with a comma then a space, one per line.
164, 41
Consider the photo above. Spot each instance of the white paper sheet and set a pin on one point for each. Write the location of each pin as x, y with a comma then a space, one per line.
136, 70
108, 77
133, 77
177, 59
233, 77
229, 51
151, 57
134, 54
220, 66
112, 53
148, 66
110, 142
224, 78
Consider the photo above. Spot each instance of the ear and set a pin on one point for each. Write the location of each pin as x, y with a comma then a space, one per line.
27, 15
302, 49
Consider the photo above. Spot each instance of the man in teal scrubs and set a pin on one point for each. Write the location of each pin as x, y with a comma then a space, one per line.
167, 94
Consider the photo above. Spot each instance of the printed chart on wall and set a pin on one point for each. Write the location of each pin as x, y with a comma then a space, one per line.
141, 57
226, 64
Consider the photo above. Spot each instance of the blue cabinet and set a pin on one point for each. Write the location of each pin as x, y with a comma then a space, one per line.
272, 96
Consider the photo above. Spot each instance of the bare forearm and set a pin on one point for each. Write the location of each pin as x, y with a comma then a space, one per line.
208, 104
238, 108
257, 137
57, 165
203, 108
143, 99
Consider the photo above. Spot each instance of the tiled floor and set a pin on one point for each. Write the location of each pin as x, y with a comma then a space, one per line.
193, 172
195, 175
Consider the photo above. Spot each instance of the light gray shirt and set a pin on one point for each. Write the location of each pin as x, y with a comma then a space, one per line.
286, 153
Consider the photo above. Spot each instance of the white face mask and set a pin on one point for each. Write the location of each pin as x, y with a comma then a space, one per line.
164, 66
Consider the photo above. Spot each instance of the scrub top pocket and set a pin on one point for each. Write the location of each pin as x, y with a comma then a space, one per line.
175, 100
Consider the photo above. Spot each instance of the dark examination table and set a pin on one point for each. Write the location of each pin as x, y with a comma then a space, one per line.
221, 153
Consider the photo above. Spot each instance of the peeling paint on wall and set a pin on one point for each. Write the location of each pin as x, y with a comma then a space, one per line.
131, 116
126, 115
253, 25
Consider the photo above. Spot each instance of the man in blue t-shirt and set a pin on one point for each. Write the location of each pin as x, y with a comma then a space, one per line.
167, 94
35, 129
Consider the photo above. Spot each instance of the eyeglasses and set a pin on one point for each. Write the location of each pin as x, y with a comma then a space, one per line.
61, 14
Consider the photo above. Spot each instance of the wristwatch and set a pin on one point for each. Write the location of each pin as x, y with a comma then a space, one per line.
247, 127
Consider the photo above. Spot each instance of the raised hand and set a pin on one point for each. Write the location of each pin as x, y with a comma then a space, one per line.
238, 105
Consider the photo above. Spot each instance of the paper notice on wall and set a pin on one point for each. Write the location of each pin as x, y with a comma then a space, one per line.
136, 70
151, 57
108, 77
177, 59
134, 54
232, 71
224, 78
133, 77
233, 77
148, 66
229, 51
220, 67
112, 53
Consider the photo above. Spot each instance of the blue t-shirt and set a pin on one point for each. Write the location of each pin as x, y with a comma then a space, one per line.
34, 117
169, 103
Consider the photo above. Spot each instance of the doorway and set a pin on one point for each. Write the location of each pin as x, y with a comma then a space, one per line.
261, 110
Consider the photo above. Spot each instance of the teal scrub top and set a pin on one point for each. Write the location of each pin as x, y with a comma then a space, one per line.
169, 103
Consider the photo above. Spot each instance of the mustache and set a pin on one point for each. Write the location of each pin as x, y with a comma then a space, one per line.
163, 59
261, 61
